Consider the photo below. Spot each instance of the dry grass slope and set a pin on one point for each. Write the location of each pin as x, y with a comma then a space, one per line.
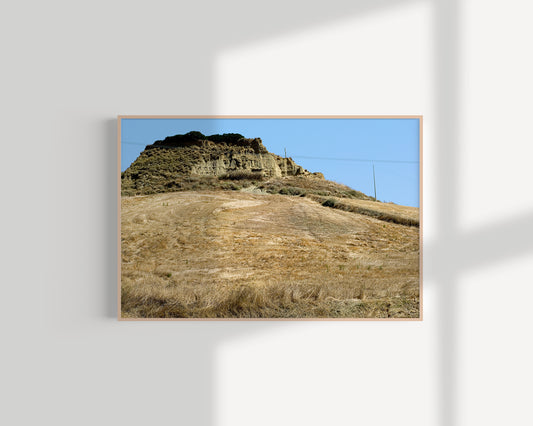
214, 254
387, 212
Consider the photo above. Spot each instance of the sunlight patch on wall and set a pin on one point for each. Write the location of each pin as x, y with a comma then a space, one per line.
373, 64
496, 128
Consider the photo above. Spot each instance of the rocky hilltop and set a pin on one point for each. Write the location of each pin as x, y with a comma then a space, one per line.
168, 164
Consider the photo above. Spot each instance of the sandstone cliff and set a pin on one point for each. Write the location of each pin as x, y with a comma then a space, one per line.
162, 165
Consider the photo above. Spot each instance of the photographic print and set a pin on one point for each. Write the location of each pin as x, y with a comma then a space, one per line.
270, 217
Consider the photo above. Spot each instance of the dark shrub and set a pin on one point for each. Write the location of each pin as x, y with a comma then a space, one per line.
188, 139
195, 135
242, 175
330, 202
291, 190
229, 138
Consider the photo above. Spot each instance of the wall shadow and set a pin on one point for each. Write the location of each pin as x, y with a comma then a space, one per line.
447, 66
110, 191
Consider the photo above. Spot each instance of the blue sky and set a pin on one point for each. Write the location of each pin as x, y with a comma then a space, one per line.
344, 149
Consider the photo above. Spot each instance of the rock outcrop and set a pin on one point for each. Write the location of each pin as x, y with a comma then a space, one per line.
167, 161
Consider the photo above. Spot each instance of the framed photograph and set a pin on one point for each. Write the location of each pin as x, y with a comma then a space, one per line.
270, 217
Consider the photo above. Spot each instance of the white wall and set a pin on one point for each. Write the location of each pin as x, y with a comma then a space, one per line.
69, 68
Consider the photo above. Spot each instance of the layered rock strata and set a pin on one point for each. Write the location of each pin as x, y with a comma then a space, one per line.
196, 155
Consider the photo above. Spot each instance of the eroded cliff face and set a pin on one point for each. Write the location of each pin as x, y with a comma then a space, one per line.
269, 165
192, 155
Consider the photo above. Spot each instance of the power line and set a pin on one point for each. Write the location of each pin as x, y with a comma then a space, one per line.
361, 160
355, 159
374, 174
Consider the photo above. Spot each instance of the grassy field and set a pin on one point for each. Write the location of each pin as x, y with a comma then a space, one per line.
213, 254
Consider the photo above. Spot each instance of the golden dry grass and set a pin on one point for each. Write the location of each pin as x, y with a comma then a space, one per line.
389, 212
233, 254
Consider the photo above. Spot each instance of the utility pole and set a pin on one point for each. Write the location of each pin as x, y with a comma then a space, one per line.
374, 174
